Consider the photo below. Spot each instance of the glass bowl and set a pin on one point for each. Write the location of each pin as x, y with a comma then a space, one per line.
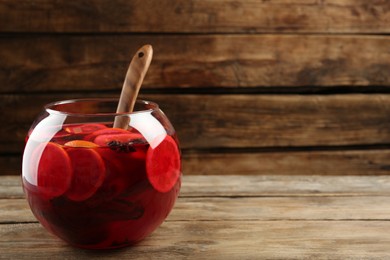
96, 186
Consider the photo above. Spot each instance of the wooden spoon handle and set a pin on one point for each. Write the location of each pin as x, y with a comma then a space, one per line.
134, 77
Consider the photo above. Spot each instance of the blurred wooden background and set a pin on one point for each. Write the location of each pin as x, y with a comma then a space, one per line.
252, 87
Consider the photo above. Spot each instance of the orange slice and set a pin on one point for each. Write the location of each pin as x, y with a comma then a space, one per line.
106, 131
54, 170
81, 143
84, 128
163, 165
89, 172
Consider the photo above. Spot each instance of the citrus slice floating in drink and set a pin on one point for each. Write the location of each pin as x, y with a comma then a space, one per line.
106, 131
54, 173
84, 128
88, 173
80, 143
163, 165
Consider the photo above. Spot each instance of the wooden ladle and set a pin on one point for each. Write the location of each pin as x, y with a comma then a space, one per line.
135, 75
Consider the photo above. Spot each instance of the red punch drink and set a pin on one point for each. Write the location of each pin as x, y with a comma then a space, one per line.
96, 186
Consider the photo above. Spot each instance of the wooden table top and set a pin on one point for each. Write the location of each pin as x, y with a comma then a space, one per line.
234, 217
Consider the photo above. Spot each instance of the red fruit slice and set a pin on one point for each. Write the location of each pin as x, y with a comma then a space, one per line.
88, 173
163, 165
107, 131
54, 170
80, 143
104, 140
84, 128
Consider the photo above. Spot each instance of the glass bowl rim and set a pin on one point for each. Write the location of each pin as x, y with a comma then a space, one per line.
51, 110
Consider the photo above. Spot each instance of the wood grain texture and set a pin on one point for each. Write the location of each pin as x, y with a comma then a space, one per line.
305, 162
239, 121
244, 209
135, 75
219, 240
284, 186
336, 202
11, 187
301, 16
40, 63
15, 211
199, 186
207, 53
236, 217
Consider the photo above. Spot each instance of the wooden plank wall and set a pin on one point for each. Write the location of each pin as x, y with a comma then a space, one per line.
252, 87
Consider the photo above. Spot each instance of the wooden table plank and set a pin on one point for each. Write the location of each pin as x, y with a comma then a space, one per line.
191, 16
219, 240
234, 217
11, 187
253, 121
244, 208
39, 63
265, 162
284, 185
282, 208
285, 161
256, 186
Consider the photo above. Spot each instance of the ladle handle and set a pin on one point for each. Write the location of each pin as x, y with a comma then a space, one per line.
136, 72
